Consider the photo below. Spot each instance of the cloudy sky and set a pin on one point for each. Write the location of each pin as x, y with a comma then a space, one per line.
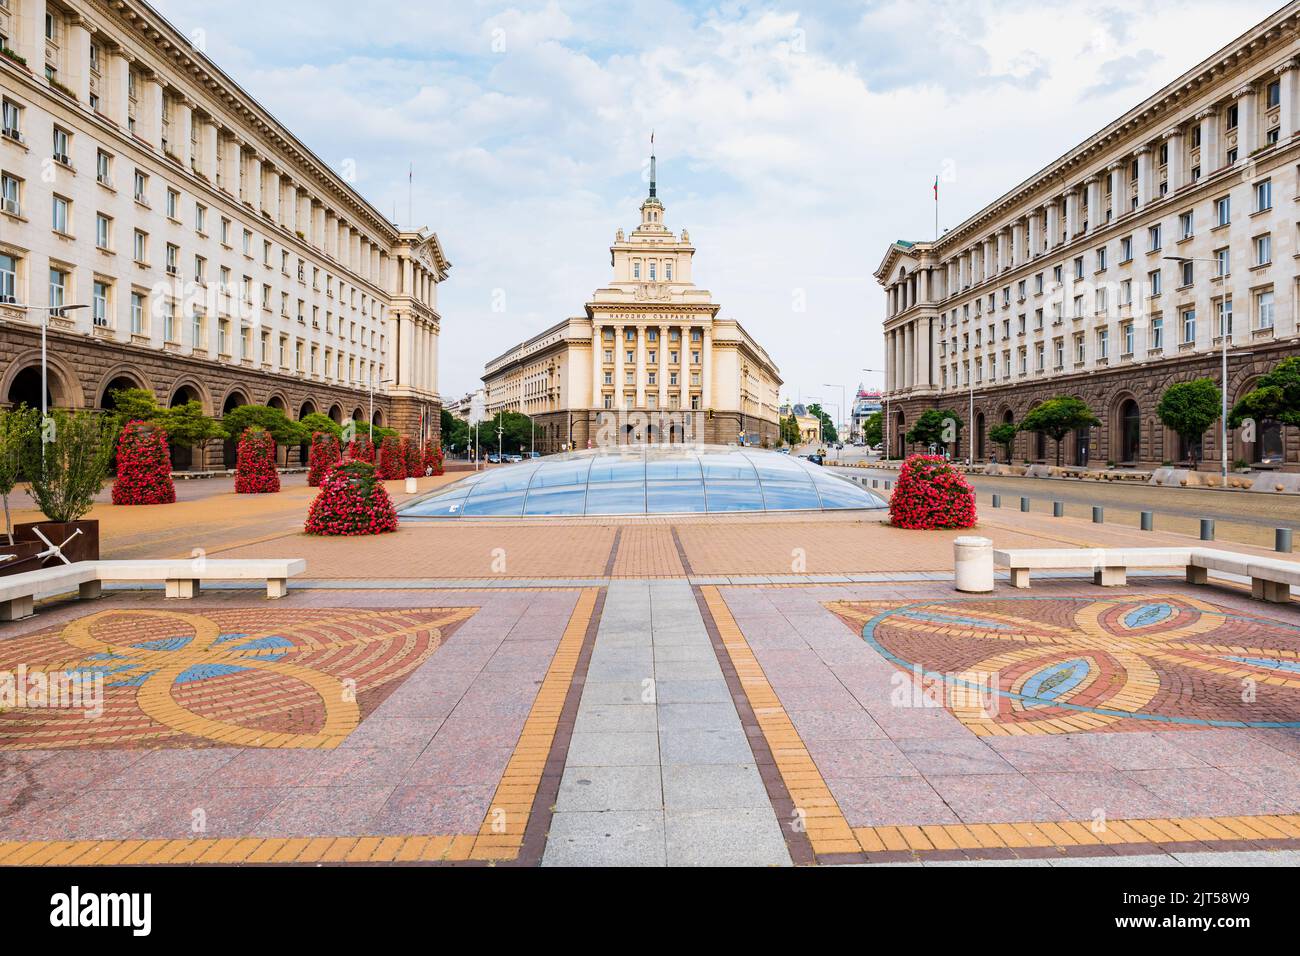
795, 141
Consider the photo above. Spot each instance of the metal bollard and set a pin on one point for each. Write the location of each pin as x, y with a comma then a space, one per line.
1148, 521
1058, 509
1098, 514
997, 501
1024, 504
1282, 540
1207, 529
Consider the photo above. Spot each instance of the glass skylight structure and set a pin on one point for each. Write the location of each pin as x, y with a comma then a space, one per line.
646, 480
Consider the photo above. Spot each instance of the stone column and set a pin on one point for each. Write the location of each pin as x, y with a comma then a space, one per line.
1286, 75
1053, 224
1071, 214
78, 58
706, 370
909, 356
208, 148
271, 192
1247, 122
597, 371
640, 365
1115, 172
1174, 147
117, 87
619, 348
29, 42
1017, 246
1003, 240
1144, 176
253, 179
1095, 218
663, 367
149, 107
1035, 233
1209, 120
182, 129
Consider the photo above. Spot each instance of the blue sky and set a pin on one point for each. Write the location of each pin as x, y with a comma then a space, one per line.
795, 141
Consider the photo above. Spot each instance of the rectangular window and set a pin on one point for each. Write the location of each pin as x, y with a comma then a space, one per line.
8, 278
1101, 259
140, 246
103, 230
1186, 226
99, 304
1188, 273
58, 288
61, 217
12, 120
1264, 195
1189, 326
103, 168
1223, 210
1157, 332
1154, 282
61, 148
1103, 343
141, 187
1225, 316
169, 322
1264, 309
1126, 249
1128, 338
137, 313
1153, 238
173, 201
1263, 250
1222, 262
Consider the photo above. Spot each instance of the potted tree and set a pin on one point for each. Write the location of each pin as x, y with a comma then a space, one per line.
16, 427
66, 461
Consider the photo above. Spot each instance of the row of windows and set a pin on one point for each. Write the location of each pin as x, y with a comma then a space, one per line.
1187, 329
653, 270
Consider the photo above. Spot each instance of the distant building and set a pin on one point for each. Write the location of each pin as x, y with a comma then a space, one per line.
865, 404
650, 361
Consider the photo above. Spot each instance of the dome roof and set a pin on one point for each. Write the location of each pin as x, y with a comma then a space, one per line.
646, 479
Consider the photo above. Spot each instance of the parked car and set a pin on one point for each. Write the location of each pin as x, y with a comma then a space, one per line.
534, 454
493, 458
513, 458
815, 459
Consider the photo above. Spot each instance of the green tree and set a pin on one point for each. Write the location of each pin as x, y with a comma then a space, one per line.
1004, 434
790, 431
187, 426
1189, 408
455, 431
1057, 417
134, 404
17, 428
937, 426
829, 434
516, 435
1275, 398
283, 431
66, 460
873, 429
319, 422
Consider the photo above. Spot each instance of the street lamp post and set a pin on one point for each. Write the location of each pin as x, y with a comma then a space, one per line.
1224, 334
842, 406
46, 312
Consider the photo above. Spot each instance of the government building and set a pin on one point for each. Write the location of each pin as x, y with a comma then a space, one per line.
1117, 270
211, 255
650, 361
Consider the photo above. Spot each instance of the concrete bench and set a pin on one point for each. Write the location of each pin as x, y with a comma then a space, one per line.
1270, 578
181, 578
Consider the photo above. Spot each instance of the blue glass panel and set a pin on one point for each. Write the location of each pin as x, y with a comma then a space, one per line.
551, 474
494, 501
790, 495
729, 467
734, 495
677, 466
841, 493
566, 500
508, 477
616, 498
674, 497
617, 468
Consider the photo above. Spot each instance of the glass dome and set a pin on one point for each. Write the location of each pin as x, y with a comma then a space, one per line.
646, 479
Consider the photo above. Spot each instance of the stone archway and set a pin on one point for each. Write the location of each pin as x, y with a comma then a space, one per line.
230, 446
183, 457
980, 433
22, 384
336, 413
1128, 429
119, 380
900, 435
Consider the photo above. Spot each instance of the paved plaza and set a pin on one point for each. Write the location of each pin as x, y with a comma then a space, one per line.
767, 691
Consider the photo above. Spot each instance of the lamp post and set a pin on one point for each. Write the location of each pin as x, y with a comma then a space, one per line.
842, 407
46, 311
1225, 332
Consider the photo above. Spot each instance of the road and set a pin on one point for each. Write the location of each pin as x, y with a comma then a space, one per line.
1245, 517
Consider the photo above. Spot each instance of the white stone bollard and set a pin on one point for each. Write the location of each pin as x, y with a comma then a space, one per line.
973, 564
410, 486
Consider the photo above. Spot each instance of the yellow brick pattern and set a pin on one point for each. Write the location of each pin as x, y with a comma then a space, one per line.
500, 837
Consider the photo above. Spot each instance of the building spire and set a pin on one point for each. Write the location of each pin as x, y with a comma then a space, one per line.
652, 164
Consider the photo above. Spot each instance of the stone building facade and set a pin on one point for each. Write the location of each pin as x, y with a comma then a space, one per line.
1123, 267
650, 361
211, 254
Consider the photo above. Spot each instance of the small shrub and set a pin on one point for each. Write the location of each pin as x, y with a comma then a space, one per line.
323, 456
352, 501
255, 472
392, 461
144, 468
931, 494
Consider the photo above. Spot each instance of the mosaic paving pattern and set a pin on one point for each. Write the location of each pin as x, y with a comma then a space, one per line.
1063, 665
250, 677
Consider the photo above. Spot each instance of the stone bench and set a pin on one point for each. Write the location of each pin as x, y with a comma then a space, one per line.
180, 577
1270, 578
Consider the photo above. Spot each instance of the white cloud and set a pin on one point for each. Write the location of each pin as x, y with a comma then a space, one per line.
794, 143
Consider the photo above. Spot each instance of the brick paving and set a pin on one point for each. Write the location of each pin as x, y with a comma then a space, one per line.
593, 691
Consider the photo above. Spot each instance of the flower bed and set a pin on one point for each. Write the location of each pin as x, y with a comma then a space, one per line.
144, 468
361, 449
255, 472
323, 456
392, 460
931, 494
352, 501
432, 459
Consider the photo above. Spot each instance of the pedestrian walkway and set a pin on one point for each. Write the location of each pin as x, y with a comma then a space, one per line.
659, 769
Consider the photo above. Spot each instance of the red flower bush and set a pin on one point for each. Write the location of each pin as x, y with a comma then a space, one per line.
323, 456
432, 460
414, 458
255, 472
352, 501
931, 494
361, 449
392, 460
144, 468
